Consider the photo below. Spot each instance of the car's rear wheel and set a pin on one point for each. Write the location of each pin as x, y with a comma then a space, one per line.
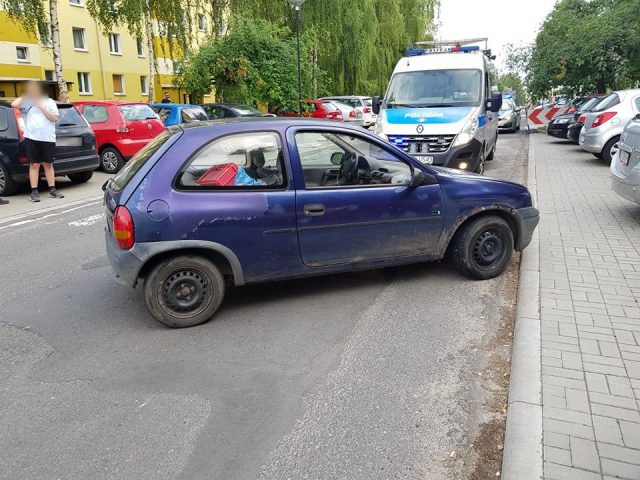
7, 185
110, 160
610, 149
184, 291
483, 247
80, 177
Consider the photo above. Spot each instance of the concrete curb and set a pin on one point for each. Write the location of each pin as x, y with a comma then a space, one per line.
522, 458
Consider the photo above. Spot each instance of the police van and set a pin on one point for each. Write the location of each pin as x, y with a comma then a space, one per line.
440, 106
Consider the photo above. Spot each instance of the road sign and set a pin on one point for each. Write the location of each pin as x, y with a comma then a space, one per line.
541, 116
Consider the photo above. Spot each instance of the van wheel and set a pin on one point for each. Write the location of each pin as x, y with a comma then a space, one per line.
7, 185
110, 160
492, 153
80, 177
483, 247
480, 166
610, 149
184, 291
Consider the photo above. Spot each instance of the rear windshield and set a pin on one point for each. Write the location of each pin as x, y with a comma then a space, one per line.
69, 117
137, 112
589, 104
607, 102
193, 114
138, 160
245, 111
329, 106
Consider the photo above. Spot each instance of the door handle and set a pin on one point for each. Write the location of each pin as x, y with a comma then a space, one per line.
315, 210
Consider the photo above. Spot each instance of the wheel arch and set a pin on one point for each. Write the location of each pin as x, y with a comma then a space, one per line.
104, 146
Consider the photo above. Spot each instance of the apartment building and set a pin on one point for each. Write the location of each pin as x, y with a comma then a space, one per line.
96, 64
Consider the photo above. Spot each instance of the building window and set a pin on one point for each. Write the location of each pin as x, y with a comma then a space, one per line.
202, 23
49, 75
84, 83
75, 3
79, 39
22, 53
143, 85
140, 47
118, 84
114, 44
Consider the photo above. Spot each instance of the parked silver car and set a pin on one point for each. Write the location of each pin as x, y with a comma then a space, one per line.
510, 117
358, 102
604, 124
625, 167
350, 114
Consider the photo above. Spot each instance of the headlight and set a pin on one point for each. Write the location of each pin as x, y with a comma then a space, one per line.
468, 132
377, 129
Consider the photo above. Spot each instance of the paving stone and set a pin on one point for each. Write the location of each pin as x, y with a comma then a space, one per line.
620, 469
630, 434
557, 455
584, 454
556, 440
553, 471
567, 428
577, 400
607, 430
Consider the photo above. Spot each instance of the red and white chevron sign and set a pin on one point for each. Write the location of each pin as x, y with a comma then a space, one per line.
540, 116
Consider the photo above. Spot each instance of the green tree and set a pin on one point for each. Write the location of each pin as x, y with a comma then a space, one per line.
512, 82
40, 17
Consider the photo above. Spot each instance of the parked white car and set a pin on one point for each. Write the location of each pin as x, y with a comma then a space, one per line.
605, 123
358, 102
625, 167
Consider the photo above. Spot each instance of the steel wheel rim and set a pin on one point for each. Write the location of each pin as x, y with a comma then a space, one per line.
185, 292
488, 249
614, 149
109, 161
3, 180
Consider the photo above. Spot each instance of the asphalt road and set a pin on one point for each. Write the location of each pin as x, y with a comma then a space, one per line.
371, 375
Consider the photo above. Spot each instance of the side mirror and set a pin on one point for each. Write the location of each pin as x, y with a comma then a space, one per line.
376, 102
421, 178
495, 102
337, 157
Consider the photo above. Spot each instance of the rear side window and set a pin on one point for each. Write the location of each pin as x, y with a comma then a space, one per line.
607, 102
95, 113
136, 112
69, 117
164, 113
4, 121
138, 160
246, 160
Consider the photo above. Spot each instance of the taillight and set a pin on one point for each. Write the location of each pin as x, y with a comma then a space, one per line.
581, 119
366, 110
352, 114
603, 118
123, 232
339, 117
571, 110
19, 122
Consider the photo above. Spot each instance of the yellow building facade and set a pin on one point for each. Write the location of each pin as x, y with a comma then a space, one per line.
97, 64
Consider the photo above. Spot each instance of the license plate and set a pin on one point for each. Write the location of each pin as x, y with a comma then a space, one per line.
426, 159
624, 157
69, 141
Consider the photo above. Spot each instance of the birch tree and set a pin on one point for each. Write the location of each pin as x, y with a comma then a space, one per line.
40, 17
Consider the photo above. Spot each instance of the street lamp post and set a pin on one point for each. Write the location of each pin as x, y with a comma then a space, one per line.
297, 4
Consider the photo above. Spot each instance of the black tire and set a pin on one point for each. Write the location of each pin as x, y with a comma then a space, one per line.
481, 161
110, 160
482, 248
196, 278
492, 153
80, 177
598, 155
7, 185
609, 149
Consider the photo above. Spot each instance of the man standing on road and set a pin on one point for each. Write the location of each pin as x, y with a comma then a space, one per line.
40, 136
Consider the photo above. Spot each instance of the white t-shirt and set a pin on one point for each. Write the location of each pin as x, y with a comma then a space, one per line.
37, 125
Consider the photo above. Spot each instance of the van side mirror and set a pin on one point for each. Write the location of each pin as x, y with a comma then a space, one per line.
376, 102
495, 102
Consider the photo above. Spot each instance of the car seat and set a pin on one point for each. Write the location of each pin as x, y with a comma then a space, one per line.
256, 168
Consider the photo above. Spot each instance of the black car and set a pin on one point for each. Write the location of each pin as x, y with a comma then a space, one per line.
559, 124
216, 111
574, 128
76, 155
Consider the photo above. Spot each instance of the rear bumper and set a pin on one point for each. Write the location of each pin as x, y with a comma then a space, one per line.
625, 190
87, 163
592, 142
558, 131
126, 264
526, 222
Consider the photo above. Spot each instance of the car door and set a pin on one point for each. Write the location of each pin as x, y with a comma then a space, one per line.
354, 201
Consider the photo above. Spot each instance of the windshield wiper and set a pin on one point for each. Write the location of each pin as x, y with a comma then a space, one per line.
404, 105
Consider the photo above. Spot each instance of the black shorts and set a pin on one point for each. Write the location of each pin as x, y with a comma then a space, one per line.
39, 152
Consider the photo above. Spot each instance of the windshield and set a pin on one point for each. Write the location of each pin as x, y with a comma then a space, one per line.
507, 107
435, 88
137, 112
246, 111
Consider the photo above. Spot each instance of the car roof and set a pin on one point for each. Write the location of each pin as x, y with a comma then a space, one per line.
344, 97
269, 122
108, 102
441, 61
170, 105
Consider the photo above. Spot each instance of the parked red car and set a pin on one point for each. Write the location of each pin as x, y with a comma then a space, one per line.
322, 109
121, 129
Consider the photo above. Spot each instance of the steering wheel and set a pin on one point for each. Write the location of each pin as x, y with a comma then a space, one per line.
348, 174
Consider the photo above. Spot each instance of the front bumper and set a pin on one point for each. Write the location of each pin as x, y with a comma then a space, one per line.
526, 222
558, 130
507, 124
452, 158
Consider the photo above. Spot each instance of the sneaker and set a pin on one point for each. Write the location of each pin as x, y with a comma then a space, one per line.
55, 194
3, 202
35, 196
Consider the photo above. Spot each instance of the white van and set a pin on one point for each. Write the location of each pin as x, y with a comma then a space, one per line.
440, 107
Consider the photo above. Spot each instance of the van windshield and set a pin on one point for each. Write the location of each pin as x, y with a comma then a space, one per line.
435, 88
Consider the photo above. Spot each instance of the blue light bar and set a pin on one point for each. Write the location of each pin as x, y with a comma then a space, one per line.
412, 52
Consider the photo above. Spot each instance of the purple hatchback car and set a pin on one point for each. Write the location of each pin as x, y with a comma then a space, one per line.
244, 201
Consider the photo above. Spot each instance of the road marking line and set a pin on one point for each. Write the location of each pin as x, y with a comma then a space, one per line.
85, 222
31, 220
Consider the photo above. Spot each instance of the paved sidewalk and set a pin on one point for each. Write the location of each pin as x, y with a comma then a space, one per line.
590, 317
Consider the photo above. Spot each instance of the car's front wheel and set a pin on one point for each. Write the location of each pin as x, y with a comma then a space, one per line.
184, 291
482, 248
